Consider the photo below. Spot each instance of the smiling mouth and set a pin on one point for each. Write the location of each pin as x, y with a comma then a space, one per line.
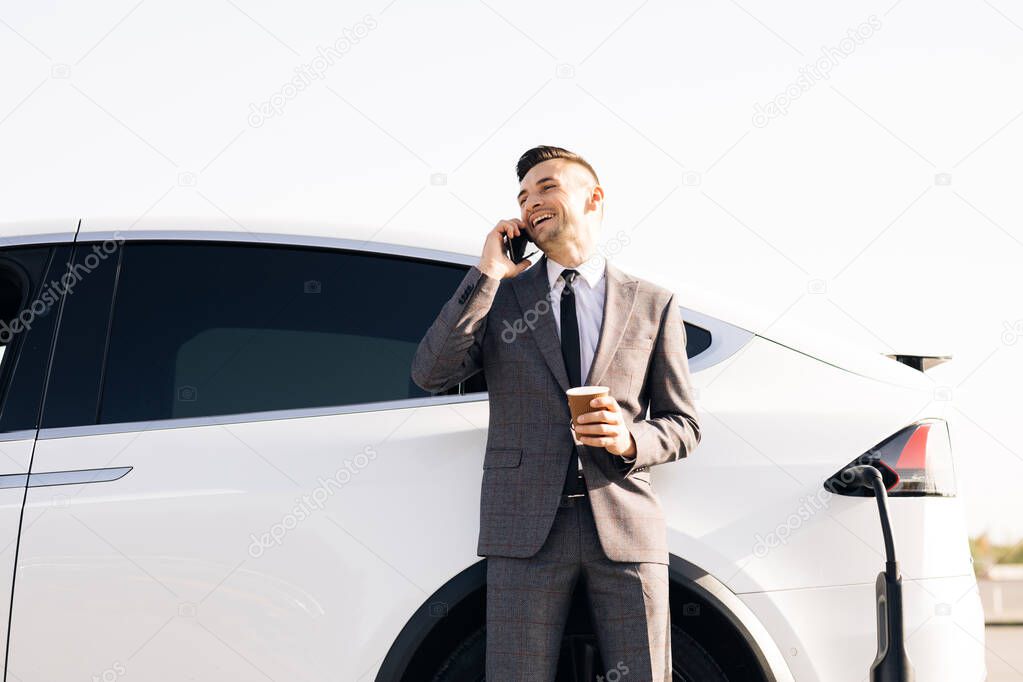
541, 219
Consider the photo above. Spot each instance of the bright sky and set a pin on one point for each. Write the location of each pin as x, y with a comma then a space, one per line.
891, 172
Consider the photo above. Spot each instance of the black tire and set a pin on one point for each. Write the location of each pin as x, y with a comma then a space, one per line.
467, 663
690, 661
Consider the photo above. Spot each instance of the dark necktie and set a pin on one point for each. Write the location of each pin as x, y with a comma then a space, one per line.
573, 365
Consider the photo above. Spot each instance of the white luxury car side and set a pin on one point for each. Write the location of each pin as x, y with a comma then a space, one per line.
217, 467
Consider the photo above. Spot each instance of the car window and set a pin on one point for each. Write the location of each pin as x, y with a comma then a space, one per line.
697, 339
73, 391
201, 328
30, 293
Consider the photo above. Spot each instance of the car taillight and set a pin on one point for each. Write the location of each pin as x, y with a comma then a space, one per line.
915, 461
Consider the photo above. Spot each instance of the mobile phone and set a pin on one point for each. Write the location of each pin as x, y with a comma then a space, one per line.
515, 247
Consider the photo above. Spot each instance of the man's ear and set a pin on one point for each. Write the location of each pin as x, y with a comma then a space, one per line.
596, 199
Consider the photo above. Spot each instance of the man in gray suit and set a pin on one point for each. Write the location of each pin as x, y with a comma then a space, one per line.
551, 512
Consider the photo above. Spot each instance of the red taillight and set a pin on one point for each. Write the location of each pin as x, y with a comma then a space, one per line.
914, 452
917, 460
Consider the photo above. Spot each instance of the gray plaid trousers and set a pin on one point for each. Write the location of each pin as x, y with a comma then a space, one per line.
528, 602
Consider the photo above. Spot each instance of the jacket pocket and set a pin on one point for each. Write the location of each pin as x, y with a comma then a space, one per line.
643, 475
502, 457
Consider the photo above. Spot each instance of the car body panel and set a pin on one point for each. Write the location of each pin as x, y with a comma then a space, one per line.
821, 631
255, 534
749, 506
15, 462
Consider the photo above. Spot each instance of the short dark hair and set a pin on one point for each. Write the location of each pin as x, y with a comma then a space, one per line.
543, 153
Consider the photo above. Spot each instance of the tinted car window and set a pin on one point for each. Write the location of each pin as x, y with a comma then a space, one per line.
73, 391
30, 295
697, 339
202, 328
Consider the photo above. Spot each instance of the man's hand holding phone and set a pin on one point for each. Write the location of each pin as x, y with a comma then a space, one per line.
495, 261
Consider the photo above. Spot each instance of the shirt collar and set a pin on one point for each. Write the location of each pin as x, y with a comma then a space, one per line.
592, 270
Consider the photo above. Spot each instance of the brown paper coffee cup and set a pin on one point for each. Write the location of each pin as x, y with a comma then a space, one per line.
579, 399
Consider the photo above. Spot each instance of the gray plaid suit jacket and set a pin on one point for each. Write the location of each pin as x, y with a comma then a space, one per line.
506, 329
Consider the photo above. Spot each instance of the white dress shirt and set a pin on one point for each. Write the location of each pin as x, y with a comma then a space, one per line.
589, 288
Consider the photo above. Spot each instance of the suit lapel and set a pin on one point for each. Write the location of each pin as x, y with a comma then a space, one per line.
619, 300
532, 287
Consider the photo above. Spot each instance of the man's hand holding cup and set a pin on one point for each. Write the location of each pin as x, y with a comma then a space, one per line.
598, 420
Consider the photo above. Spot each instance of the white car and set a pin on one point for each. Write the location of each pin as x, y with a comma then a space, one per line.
217, 467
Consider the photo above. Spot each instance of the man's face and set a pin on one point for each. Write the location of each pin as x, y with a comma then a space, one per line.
556, 201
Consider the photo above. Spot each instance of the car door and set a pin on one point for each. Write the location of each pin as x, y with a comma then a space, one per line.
29, 308
246, 482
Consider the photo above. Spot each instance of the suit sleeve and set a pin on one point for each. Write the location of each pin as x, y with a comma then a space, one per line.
452, 349
673, 430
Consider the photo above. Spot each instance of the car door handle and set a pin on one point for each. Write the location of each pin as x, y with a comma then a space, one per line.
76, 476
63, 477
